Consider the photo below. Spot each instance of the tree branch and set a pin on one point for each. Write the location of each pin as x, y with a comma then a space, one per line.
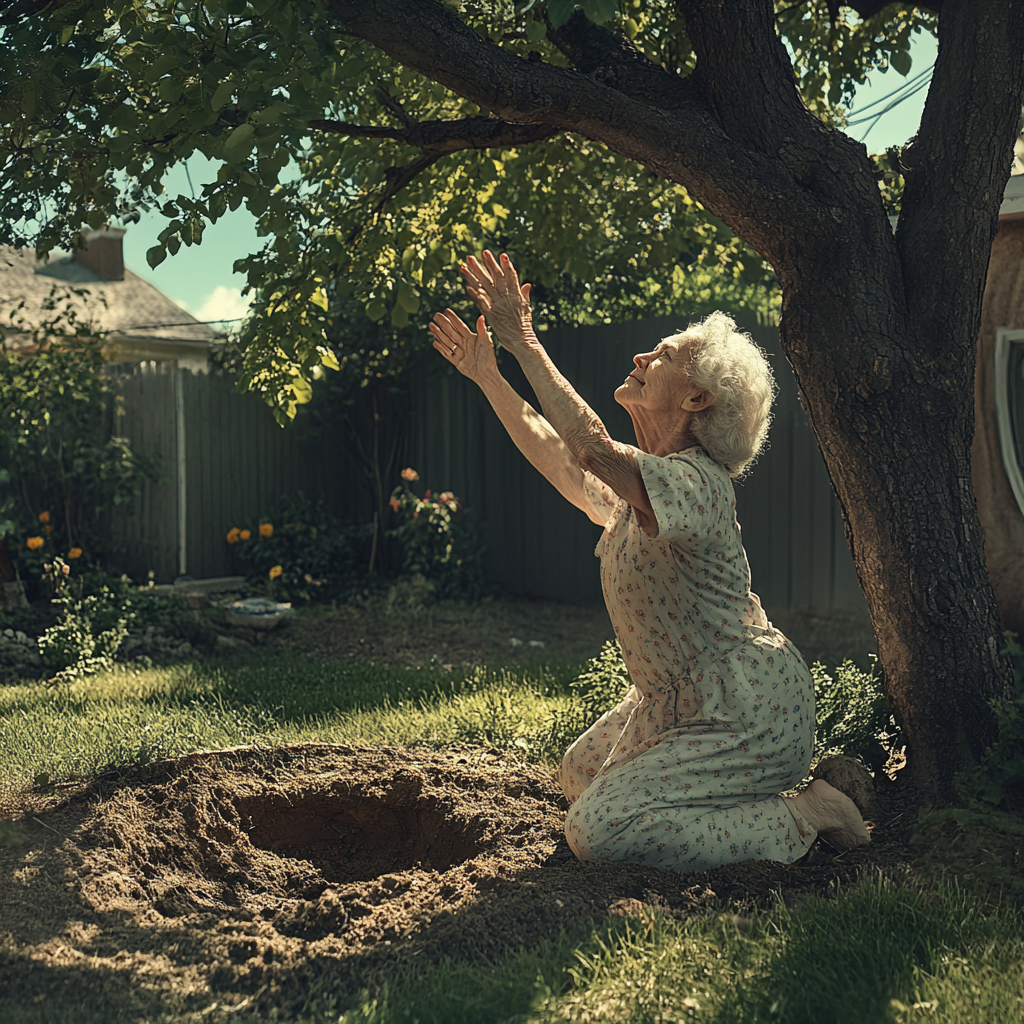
441, 137
614, 61
754, 192
754, 64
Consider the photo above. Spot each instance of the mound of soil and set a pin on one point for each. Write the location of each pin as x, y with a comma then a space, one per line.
246, 876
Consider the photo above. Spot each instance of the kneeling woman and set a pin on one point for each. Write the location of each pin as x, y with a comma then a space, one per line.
686, 772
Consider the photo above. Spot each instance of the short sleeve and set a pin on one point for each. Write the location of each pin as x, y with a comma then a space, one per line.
682, 494
600, 498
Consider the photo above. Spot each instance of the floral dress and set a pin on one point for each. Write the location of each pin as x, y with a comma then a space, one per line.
685, 773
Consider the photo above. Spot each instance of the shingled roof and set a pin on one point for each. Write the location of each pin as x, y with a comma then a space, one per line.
137, 320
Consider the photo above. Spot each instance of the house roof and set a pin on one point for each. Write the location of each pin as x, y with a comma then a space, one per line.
129, 310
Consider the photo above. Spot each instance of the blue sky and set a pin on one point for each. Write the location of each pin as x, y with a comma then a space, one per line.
200, 279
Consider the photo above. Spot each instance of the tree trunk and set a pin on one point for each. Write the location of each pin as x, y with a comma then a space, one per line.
898, 455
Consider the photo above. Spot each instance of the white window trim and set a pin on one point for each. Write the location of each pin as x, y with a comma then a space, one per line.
1005, 338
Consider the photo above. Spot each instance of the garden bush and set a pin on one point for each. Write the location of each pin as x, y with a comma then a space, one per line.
998, 778
602, 684
853, 716
299, 552
91, 627
439, 540
60, 470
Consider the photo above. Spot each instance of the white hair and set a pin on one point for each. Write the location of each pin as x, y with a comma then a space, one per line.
730, 365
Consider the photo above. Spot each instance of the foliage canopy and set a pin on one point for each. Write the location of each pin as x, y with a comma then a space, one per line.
368, 180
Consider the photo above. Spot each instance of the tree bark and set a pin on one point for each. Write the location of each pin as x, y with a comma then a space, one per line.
880, 329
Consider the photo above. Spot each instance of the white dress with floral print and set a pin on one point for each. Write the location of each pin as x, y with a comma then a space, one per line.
685, 773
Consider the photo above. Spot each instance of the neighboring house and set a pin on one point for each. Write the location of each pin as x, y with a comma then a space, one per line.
137, 321
997, 455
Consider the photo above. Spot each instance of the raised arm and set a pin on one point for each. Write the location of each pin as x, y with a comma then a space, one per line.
494, 286
473, 356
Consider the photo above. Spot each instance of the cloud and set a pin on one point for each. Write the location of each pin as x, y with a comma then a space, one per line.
222, 304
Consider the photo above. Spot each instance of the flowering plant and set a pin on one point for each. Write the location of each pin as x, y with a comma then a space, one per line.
438, 540
300, 552
32, 553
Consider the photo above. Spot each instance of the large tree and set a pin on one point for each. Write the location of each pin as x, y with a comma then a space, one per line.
600, 141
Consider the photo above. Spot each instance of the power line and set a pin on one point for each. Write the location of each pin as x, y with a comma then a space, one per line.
904, 91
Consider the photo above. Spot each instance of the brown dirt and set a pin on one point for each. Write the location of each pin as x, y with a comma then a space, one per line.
245, 877
404, 626
398, 629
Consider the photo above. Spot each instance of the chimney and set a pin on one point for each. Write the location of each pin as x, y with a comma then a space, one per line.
102, 253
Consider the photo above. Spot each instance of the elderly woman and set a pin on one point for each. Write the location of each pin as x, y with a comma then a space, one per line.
686, 772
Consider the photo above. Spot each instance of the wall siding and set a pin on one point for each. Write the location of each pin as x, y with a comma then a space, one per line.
240, 463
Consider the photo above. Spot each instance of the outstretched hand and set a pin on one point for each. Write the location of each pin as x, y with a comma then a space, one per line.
471, 354
494, 286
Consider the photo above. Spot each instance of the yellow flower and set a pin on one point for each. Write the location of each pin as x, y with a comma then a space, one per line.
75, 553
233, 535
266, 529
34, 543
410, 474
245, 534
44, 517
275, 572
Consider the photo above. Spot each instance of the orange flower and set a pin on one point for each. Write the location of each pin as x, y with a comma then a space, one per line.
266, 529
233, 535
394, 504
410, 475
75, 553
34, 543
275, 571
245, 534
44, 517
48, 529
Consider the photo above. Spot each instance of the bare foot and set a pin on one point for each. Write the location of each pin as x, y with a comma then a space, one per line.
833, 816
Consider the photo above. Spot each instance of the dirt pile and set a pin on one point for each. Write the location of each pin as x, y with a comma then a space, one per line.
251, 876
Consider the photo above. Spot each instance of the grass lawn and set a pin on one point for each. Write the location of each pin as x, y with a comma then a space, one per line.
885, 949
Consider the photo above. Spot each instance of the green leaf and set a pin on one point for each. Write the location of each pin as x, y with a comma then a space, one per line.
156, 256
535, 30
66, 33
376, 308
222, 95
600, 11
901, 62
162, 65
408, 298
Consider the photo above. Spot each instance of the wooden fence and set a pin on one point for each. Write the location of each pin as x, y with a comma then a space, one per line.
225, 461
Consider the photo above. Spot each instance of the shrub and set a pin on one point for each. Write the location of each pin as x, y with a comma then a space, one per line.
602, 684
438, 540
91, 627
998, 779
300, 552
59, 469
853, 715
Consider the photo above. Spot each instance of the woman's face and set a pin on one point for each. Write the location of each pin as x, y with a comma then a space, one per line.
659, 381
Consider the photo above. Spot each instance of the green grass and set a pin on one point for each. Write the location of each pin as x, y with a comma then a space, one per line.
132, 716
877, 952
